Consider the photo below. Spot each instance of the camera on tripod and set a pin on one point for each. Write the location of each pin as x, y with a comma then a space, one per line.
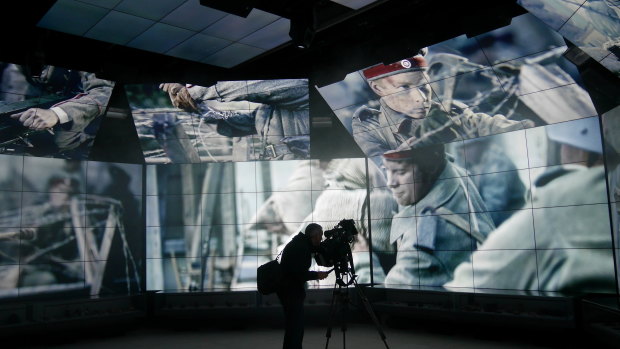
335, 251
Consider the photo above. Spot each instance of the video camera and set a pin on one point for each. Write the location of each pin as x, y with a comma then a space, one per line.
335, 251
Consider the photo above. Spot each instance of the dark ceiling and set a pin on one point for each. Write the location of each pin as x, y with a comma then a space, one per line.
383, 31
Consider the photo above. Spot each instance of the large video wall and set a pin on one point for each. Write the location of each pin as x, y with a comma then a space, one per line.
487, 169
69, 227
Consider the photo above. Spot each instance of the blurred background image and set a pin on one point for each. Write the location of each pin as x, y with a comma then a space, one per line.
70, 226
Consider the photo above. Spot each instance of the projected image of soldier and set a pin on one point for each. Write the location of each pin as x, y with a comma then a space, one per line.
408, 114
500, 187
47, 257
571, 226
276, 111
58, 110
430, 235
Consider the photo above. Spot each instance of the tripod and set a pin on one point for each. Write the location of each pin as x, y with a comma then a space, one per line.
341, 297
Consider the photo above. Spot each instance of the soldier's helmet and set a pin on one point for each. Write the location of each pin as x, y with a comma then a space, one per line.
584, 134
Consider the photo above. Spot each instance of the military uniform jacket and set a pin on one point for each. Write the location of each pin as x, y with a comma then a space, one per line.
438, 233
271, 109
377, 131
79, 111
572, 241
295, 262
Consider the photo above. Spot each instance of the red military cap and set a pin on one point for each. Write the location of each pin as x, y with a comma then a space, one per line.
397, 155
415, 63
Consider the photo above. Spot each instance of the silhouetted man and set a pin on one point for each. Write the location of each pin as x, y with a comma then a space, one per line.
295, 262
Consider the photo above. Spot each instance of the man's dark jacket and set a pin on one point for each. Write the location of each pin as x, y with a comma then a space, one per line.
295, 262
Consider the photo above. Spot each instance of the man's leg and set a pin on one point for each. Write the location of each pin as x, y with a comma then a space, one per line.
295, 321
293, 305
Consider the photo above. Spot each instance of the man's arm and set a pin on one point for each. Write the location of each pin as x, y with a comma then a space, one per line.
288, 93
84, 107
80, 109
295, 264
481, 124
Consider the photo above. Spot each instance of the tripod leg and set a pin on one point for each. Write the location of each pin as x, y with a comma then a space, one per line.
332, 315
371, 313
345, 307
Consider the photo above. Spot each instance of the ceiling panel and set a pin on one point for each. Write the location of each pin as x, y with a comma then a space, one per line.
234, 27
119, 28
198, 47
193, 16
102, 3
160, 38
273, 35
232, 55
83, 17
151, 9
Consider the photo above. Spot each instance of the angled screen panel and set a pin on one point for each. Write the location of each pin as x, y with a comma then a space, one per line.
229, 121
50, 111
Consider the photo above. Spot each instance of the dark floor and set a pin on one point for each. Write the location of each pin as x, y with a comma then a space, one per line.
401, 333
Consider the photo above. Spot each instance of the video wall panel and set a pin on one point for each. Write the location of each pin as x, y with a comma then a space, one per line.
250, 211
491, 150
70, 227
50, 111
512, 78
228, 121
592, 25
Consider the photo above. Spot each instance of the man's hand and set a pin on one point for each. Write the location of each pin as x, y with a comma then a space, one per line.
179, 96
322, 274
37, 119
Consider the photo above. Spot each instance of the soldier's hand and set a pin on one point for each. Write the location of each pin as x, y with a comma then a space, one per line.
37, 118
179, 96
322, 274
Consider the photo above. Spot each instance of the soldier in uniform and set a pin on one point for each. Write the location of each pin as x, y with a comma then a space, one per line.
407, 113
275, 110
573, 243
499, 185
74, 120
441, 220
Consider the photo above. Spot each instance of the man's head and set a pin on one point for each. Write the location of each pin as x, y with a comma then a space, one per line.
314, 233
60, 190
412, 173
403, 86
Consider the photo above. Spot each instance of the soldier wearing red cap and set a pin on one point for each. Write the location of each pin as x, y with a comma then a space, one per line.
441, 220
406, 103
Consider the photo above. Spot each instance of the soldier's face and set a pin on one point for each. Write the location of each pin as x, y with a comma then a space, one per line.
407, 93
405, 181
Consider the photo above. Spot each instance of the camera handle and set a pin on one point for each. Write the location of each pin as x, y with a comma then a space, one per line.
340, 297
